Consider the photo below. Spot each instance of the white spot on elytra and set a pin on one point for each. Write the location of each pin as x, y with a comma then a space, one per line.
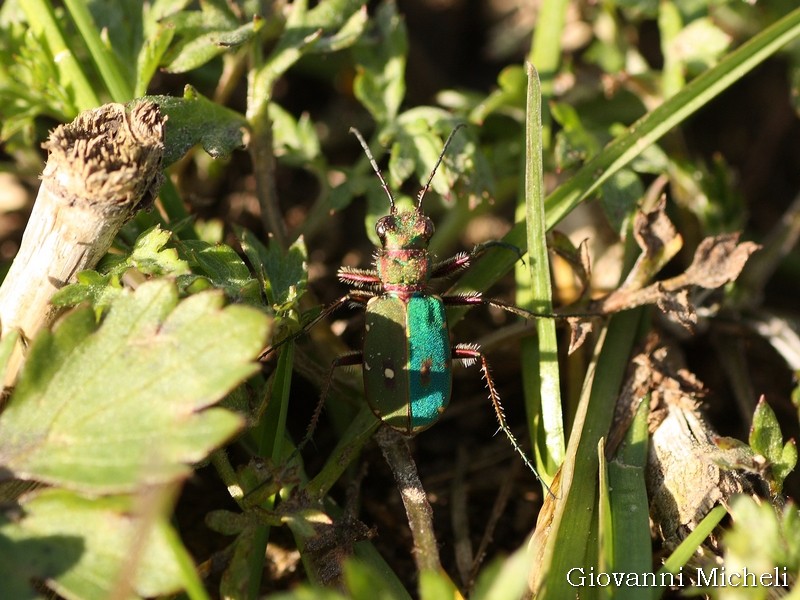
366, 367
388, 373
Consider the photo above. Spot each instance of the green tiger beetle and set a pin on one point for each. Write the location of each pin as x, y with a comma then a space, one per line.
407, 357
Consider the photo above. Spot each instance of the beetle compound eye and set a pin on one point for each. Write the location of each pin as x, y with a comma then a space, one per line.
383, 225
428, 229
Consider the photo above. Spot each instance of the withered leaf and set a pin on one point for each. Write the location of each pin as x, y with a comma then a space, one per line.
656, 234
718, 260
579, 329
677, 307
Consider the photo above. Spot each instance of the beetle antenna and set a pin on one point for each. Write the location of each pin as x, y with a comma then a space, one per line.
424, 190
375, 168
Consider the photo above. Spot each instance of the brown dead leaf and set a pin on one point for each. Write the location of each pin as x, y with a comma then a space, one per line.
718, 260
655, 233
579, 329
656, 236
677, 308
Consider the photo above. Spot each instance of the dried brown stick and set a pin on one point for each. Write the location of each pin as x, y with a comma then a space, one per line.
101, 169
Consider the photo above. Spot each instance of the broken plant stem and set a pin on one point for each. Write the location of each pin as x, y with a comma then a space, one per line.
101, 168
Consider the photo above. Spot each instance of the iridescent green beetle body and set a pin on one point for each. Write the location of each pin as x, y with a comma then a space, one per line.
407, 360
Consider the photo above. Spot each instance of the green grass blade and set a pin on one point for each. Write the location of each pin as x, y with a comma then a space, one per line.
103, 57
684, 552
567, 546
546, 52
639, 136
630, 517
42, 19
545, 402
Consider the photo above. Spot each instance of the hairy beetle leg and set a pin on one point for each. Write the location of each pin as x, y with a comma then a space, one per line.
345, 360
356, 297
471, 353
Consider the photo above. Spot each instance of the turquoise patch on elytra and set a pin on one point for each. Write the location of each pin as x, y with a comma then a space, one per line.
429, 359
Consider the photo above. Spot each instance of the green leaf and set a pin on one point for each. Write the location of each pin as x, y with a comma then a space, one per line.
194, 119
574, 143
92, 287
699, 44
294, 140
151, 257
621, 195
766, 439
80, 548
224, 268
205, 34
365, 582
506, 579
434, 585
381, 63
775, 545
108, 409
282, 273
150, 56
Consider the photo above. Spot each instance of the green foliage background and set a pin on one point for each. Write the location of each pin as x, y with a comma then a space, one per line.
138, 400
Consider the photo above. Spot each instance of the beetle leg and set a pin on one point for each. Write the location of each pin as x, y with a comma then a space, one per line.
359, 277
462, 260
355, 357
476, 299
471, 353
353, 296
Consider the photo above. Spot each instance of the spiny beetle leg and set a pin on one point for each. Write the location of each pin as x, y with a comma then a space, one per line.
462, 260
469, 354
354, 296
359, 277
350, 359
476, 299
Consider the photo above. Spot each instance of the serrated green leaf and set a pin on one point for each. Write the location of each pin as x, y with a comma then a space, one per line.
295, 141
224, 268
283, 274
80, 548
193, 120
108, 409
380, 78
197, 50
775, 545
150, 256
97, 289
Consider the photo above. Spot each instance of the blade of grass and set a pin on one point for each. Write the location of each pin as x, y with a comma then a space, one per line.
639, 136
546, 53
121, 90
42, 19
540, 355
684, 552
270, 438
630, 517
566, 545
